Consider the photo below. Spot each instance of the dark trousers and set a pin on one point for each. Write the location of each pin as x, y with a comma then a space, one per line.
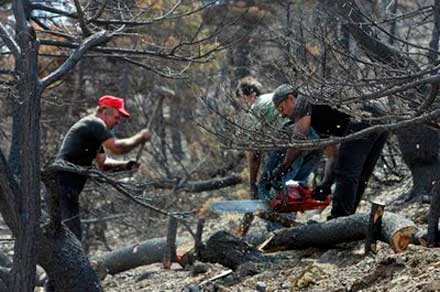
71, 186
354, 167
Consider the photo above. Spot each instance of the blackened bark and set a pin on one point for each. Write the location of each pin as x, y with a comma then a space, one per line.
229, 251
28, 166
200, 186
68, 268
396, 231
60, 253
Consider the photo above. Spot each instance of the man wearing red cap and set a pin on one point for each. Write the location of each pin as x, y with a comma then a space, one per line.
84, 142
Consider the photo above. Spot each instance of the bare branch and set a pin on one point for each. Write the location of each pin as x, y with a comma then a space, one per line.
9, 40
90, 42
81, 18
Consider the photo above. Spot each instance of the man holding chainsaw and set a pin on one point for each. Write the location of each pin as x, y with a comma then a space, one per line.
84, 143
356, 158
263, 116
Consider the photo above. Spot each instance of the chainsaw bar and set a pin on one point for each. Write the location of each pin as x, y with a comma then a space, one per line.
240, 206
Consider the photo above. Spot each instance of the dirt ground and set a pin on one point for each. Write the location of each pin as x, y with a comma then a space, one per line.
344, 268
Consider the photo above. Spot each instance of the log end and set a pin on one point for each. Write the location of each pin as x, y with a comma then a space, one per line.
402, 238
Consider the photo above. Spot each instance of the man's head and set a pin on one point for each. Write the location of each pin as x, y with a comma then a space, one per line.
111, 110
248, 88
284, 100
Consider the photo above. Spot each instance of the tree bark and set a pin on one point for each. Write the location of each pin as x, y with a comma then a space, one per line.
396, 231
132, 256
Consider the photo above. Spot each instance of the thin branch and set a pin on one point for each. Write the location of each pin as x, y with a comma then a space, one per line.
90, 42
9, 41
81, 18
320, 143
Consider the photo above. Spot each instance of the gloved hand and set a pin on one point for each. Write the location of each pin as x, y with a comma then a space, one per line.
276, 174
132, 165
321, 192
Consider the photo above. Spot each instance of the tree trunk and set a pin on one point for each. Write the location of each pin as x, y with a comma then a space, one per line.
27, 127
62, 257
132, 256
396, 231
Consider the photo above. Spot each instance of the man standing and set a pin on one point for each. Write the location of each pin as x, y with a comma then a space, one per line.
356, 158
85, 142
263, 116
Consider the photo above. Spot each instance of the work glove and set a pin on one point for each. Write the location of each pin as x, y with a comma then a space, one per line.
321, 192
132, 165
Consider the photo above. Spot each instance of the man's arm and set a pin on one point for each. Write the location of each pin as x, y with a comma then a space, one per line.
254, 161
324, 189
123, 146
301, 130
107, 164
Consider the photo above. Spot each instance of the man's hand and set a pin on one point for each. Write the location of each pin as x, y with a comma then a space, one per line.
321, 192
276, 174
146, 135
132, 165
253, 190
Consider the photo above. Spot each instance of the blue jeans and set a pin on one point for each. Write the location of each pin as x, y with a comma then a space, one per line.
299, 170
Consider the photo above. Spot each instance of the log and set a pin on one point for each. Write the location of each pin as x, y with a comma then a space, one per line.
148, 252
229, 251
396, 231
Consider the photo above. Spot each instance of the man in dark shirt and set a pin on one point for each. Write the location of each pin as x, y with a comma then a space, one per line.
356, 159
85, 142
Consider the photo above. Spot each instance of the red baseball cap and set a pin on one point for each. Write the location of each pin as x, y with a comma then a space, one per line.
114, 102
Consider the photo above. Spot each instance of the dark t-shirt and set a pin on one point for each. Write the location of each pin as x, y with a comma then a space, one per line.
83, 141
326, 120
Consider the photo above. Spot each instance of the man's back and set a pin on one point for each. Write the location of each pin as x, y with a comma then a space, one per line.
83, 141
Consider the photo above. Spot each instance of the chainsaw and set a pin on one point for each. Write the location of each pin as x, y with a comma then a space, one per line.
294, 197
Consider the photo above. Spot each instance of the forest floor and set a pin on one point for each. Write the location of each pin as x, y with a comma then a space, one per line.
342, 268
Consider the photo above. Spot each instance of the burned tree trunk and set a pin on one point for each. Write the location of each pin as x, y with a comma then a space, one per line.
60, 253
396, 231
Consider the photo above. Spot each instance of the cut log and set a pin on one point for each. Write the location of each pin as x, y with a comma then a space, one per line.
396, 231
132, 256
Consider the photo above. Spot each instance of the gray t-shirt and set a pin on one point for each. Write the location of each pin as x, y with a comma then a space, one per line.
83, 141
